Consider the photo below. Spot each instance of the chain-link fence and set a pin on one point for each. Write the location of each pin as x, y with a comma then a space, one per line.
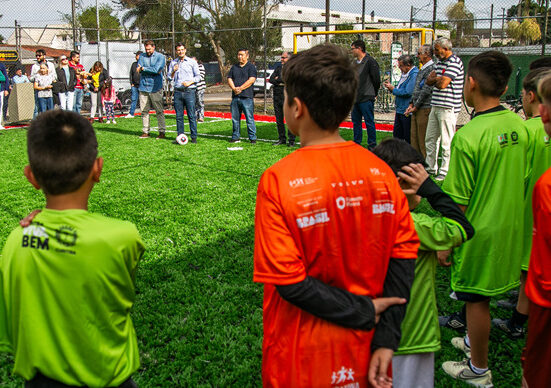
214, 30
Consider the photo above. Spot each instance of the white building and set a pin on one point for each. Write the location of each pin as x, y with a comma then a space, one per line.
292, 18
58, 36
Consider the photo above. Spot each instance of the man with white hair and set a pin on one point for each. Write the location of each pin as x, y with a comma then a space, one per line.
447, 79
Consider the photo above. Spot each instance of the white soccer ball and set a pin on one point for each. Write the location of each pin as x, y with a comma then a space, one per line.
182, 139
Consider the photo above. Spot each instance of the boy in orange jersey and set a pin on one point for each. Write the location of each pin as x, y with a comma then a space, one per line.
537, 355
333, 235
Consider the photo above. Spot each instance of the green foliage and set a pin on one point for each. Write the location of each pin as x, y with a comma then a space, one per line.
462, 21
198, 315
110, 26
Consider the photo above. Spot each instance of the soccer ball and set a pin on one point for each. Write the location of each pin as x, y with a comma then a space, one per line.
182, 139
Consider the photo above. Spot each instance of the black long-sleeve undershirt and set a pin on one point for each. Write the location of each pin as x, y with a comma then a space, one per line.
442, 203
356, 311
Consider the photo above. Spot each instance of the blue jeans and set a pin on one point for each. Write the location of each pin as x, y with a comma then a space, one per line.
364, 110
185, 98
79, 95
45, 103
134, 98
36, 104
245, 106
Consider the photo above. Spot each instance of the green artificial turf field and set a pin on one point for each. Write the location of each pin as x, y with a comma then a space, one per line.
198, 315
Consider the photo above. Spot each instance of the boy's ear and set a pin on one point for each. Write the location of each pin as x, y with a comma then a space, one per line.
472, 84
97, 169
532, 97
30, 177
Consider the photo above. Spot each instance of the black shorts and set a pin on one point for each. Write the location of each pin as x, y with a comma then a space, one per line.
470, 297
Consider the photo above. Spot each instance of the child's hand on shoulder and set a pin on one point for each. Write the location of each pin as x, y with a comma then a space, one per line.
412, 177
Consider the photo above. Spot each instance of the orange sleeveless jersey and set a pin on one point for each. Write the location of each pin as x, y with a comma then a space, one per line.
538, 284
336, 213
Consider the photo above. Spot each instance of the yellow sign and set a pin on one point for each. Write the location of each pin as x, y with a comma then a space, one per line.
8, 56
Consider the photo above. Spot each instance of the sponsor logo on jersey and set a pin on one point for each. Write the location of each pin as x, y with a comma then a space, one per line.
298, 182
35, 236
514, 138
355, 182
343, 202
314, 219
344, 378
66, 235
502, 140
385, 207
546, 140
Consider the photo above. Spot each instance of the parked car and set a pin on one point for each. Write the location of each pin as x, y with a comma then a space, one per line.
258, 86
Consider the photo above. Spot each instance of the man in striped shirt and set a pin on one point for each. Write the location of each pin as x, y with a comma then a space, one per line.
200, 93
447, 79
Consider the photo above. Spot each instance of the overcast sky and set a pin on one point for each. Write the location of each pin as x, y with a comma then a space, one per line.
41, 12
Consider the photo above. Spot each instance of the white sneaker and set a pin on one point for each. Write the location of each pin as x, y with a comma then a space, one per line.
108, 122
462, 371
129, 116
459, 343
114, 122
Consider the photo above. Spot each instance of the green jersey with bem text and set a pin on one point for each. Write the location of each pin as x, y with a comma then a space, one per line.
488, 172
66, 292
420, 329
541, 161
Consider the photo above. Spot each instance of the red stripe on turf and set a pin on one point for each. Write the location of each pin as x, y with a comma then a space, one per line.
266, 118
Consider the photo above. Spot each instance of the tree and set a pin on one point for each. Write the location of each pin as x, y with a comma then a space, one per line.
528, 8
225, 25
526, 32
462, 21
110, 26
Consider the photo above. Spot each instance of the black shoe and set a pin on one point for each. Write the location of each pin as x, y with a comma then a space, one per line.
193, 140
454, 321
253, 141
291, 144
279, 142
235, 141
506, 326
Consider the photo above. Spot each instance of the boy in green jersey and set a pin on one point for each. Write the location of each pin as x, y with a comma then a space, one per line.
487, 175
67, 279
540, 162
413, 362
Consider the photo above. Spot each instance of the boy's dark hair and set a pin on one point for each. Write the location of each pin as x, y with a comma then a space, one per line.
540, 62
149, 42
544, 89
397, 153
359, 44
73, 54
62, 148
246, 50
532, 79
491, 70
180, 44
325, 81
41, 51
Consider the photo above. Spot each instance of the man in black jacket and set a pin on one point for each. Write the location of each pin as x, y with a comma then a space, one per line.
134, 84
368, 87
277, 81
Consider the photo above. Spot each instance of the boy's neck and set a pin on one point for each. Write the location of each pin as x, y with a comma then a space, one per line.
315, 135
483, 103
533, 111
74, 200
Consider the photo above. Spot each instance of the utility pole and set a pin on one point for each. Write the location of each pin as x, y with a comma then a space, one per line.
97, 22
545, 28
410, 25
173, 39
491, 25
327, 18
434, 8
73, 9
502, 24
363, 14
